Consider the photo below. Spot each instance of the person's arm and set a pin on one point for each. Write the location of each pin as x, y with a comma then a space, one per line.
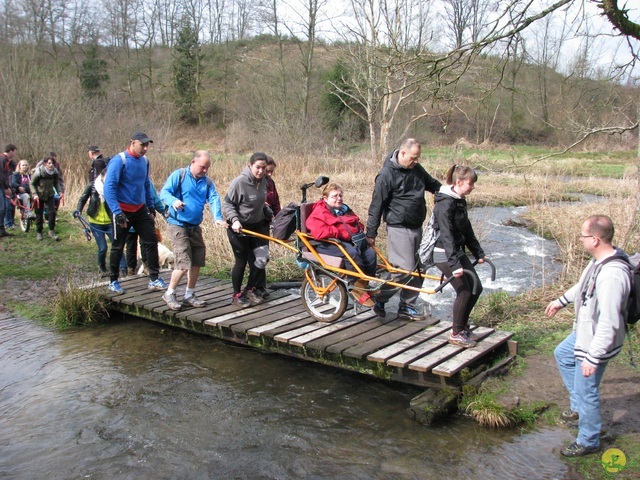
215, 204
430, 184
84, 197
612, 291
379, 201
35, 183
111, 181
444, 212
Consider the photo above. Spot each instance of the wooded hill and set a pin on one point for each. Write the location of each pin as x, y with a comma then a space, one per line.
258, 94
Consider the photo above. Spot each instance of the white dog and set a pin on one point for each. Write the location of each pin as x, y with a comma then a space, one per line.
166, 259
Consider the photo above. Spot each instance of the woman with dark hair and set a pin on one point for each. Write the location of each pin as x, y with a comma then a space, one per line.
244, 207
456, 233
45, 185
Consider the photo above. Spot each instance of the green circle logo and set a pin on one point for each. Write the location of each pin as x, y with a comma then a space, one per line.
614, 461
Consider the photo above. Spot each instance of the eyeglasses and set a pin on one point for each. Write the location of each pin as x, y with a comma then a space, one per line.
336, 195
587, 236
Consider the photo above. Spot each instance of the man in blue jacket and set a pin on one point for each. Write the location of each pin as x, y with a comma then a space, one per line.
186, 191
398, 198
127, 191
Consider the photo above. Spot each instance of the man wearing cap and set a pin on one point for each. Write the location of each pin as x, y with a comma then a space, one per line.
98, 163
127, 190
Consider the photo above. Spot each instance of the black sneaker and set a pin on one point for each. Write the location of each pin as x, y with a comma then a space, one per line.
569, 416
262, 292
577, 450
407, 312
379, 309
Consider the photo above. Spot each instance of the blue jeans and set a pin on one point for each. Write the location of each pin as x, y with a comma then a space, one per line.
9, 213
100, 234
584, 392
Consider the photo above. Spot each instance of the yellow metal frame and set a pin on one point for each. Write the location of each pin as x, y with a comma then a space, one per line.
306, 240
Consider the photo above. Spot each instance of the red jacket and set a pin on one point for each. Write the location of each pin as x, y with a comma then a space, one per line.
323, 223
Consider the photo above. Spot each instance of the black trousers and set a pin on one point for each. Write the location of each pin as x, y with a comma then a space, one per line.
144, 224
465, 299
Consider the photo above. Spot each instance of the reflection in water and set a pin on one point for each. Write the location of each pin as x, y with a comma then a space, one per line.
133, 400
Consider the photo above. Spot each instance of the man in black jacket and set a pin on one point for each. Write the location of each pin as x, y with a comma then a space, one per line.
398, 198
98, 162
7, 166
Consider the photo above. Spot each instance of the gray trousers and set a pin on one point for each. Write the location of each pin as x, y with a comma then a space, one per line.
402, 252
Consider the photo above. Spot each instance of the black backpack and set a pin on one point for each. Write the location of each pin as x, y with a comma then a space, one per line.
633, 305
284, 223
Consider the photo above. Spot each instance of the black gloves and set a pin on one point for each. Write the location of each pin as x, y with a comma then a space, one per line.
121, 220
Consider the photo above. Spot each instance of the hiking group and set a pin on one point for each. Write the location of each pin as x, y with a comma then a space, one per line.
123, 203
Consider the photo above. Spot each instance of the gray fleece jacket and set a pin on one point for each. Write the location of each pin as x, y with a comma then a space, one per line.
245, 199
600, 310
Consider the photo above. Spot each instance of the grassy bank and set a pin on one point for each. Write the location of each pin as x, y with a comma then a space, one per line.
507, 177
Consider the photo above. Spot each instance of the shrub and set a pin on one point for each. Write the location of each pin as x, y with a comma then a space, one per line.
75, 306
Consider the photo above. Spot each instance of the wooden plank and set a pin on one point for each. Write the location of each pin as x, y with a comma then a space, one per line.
297, 323
327, 329
271, 315
410, 341
378, 331
285, 336
469, 355
365, 348
371, 322
263, 329
239, 313
439, 338
429, 361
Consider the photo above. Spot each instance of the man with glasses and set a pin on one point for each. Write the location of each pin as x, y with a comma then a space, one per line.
600, 302
127, 191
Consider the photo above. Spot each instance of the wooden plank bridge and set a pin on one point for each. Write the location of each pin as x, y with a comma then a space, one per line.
415, 353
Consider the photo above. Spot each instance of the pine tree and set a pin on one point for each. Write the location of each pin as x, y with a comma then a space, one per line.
187, 58
93, 73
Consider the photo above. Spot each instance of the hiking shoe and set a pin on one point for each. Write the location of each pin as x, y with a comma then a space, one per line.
253, 298
53, 235
262, 292
240, 300
378, 309
123, 272
4, 233
461, 339
577, 450
157, 284
115, 287
192, 301
170, 300
38, 236
104, 273
569, 416
131, 271
407, 312
472, 336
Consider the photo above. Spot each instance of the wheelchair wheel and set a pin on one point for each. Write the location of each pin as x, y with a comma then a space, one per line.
328, 307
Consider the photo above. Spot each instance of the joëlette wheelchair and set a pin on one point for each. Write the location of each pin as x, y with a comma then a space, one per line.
327, 281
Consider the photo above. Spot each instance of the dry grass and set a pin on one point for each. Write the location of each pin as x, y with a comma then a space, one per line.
537, 188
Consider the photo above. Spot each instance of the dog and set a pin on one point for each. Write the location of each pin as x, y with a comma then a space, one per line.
166, 259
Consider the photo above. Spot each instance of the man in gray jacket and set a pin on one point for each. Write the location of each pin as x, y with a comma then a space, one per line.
600, 299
